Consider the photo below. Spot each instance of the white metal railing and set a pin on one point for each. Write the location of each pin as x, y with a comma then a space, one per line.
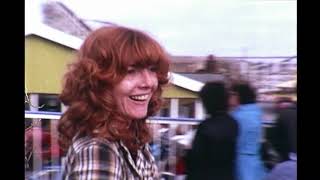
171, 136
152, 119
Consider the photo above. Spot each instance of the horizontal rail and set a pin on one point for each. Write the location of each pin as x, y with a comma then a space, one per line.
152, 119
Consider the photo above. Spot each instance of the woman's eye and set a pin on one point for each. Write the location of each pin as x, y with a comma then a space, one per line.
153, 68
131, 70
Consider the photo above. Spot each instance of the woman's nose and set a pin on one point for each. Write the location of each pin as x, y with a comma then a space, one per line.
147, 78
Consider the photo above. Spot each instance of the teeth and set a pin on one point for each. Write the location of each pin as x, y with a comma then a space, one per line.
139, 98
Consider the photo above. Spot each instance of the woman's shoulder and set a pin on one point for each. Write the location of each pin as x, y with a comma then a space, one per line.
86, 142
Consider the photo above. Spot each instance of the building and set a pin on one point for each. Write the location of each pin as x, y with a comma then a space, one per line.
48, 51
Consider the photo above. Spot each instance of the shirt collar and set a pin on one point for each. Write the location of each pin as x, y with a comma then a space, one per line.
128, 157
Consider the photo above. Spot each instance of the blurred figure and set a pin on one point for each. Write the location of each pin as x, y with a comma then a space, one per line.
248, 114
180, 149
286, 170
213, 150
155, 142
164, 147
283, 136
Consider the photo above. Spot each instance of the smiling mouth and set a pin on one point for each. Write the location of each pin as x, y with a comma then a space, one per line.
139, 97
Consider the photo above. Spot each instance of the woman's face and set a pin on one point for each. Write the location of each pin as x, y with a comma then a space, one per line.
134, 92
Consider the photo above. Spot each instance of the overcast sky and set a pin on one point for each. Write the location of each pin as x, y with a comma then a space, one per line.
202, 27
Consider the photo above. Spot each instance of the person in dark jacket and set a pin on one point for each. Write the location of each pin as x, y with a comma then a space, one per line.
213, 150
284, 135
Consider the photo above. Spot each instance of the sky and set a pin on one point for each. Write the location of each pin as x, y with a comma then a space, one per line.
200, 28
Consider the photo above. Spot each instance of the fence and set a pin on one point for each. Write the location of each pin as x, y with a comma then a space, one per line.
43, 157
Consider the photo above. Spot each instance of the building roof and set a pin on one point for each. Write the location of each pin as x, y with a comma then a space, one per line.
204, 77
185, 82
188, 59
54, 35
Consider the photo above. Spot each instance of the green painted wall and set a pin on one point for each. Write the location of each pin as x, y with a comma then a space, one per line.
45, 64
172, 91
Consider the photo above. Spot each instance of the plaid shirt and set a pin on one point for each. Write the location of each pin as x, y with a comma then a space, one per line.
98, 158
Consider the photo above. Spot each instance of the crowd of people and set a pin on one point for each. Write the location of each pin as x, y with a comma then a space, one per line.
225, 150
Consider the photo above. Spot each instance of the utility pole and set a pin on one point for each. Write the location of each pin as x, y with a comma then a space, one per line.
245, 54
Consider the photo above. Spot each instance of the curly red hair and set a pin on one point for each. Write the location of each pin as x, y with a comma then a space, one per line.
102, 62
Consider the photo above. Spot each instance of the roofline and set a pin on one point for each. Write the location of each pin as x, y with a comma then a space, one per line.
185, 82
54, 35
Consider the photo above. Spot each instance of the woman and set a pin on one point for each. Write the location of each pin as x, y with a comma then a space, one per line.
111, 89
213, 150
248, 114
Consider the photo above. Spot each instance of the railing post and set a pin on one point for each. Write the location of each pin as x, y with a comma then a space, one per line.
37, 160
174, 113
63, 108
174, 108
34, 102
199, 111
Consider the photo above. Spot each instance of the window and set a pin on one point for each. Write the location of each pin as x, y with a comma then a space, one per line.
186, 108
165, 109
50, 103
